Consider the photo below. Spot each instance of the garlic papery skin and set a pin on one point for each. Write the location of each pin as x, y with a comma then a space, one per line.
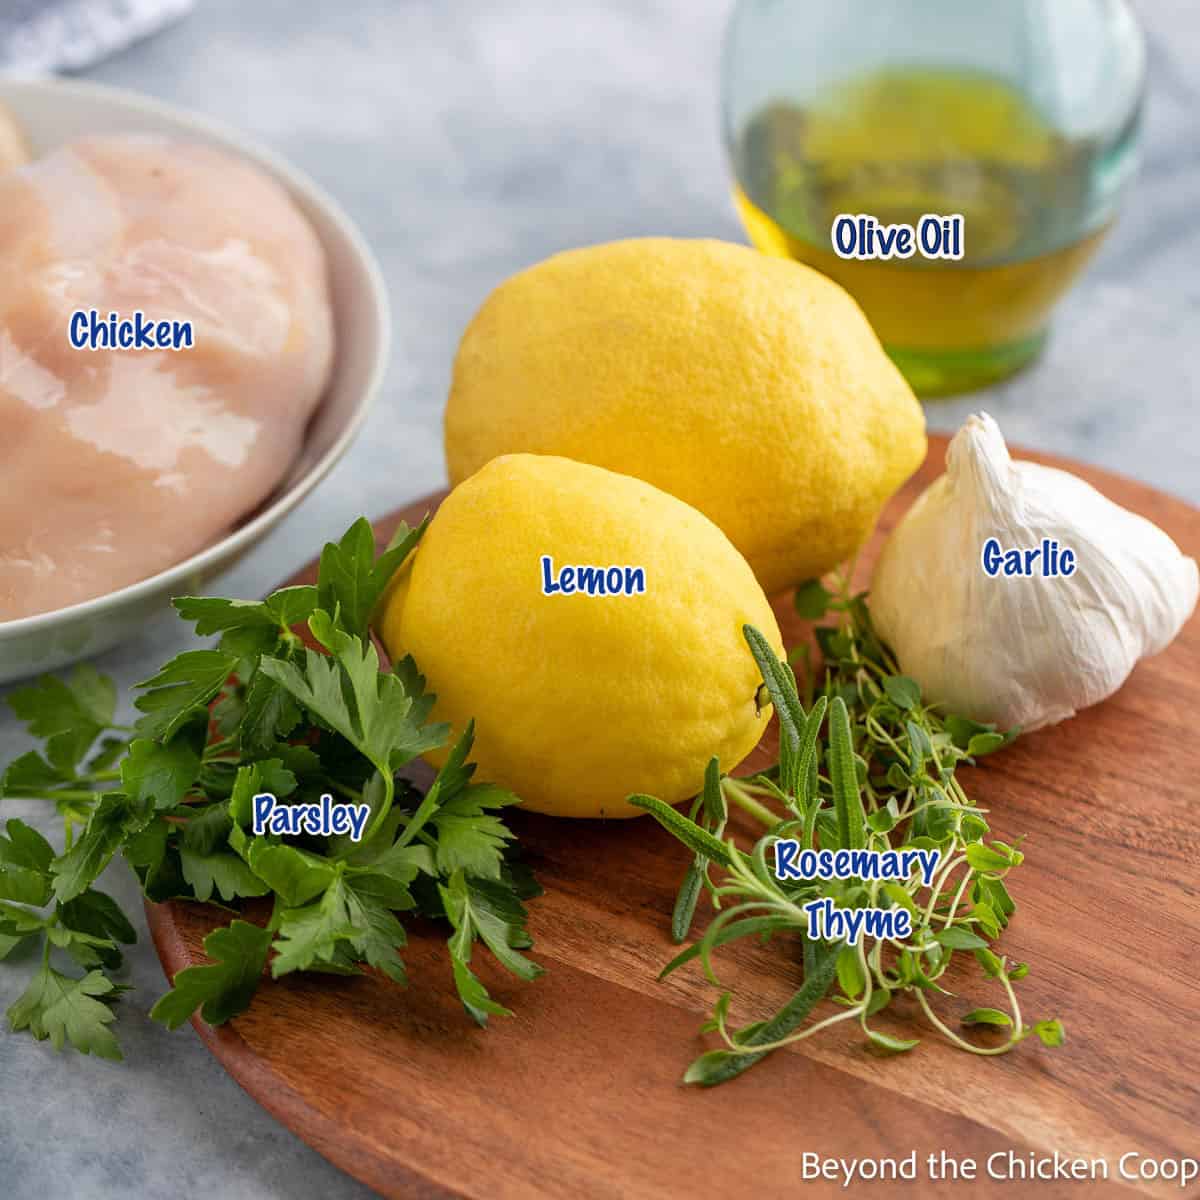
1024, 651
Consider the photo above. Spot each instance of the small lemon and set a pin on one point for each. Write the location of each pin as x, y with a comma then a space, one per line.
581, 699
749, 386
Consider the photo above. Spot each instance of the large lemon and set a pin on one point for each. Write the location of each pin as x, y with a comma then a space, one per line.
581, 699
751, 387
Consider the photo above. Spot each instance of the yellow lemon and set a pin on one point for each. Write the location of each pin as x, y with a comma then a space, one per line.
749, 386
592, 627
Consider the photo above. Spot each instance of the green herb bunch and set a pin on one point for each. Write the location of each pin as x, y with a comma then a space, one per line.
863, 764
258, 712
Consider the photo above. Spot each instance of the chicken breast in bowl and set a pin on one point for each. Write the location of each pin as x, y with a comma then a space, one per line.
117, 463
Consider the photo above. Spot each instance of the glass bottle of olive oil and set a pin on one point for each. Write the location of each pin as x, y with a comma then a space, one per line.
898, 142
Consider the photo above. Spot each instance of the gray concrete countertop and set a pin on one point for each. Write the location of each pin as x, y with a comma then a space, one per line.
469, 140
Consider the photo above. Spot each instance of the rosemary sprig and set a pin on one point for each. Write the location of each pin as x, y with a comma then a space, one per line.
864, 763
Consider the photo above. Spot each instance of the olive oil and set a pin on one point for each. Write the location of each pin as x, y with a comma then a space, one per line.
899, 144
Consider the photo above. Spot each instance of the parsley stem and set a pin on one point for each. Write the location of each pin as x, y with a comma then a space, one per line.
62, 794
343, 789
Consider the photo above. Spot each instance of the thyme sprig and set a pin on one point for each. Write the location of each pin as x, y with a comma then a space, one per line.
863, 763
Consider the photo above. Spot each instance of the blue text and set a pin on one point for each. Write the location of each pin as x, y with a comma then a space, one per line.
791, 862
90, 331
849, 925
323, 819
861, 236
1049, 560
592, 581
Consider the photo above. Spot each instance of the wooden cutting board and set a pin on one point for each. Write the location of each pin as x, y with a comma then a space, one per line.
579, 1095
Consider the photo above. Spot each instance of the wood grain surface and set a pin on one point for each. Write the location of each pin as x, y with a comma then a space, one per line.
579, 1094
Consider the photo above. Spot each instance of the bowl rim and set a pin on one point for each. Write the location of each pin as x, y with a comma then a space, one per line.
298, 183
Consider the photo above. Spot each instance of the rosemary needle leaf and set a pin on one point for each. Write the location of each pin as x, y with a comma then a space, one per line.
688, 832
714, 797
717, 1066
746, 927
808, 751
781, 684
851, 820
685, 903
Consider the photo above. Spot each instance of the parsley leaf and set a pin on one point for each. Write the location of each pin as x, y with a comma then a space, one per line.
376, 712
249, 627
207, 827
451, 779
68, 713
270, 713
379, 938
352, 579
182, 689
224, 987
17, 924
388, 710
154, 857
62, 1009
96, 917
478, 909
266, 775
30, 772
296, 876
25, 847
355, 909
206, 861
114, 818
221, 871
157, 775
469, 837
310, 934
25, 858
9, 940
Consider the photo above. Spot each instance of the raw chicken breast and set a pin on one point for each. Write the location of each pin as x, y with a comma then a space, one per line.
115, 464
13, 151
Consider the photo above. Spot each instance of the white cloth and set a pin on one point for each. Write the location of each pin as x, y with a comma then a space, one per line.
66, 35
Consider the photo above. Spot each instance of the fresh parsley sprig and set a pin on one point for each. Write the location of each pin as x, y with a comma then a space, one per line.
863, 764
260, 711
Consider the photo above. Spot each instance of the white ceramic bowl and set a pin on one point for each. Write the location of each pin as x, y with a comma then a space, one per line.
53, 111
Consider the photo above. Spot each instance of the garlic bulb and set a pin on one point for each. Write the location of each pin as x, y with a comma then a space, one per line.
1031, 638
